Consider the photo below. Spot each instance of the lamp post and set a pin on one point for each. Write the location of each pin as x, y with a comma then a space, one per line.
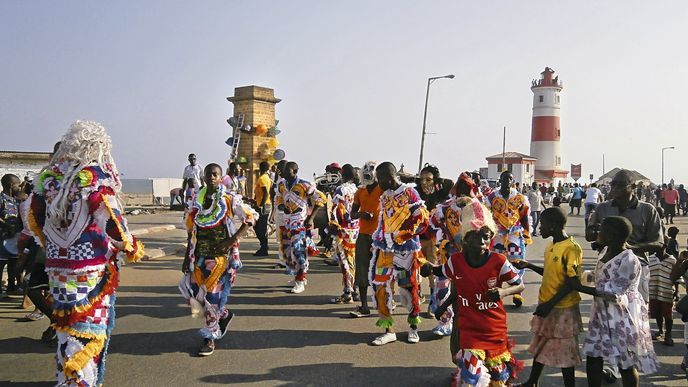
425, 116
663, 149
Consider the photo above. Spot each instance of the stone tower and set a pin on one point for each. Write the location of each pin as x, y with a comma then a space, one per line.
257, 105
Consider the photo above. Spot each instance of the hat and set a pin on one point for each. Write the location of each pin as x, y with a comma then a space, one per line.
333, 166
468, 179
475, 216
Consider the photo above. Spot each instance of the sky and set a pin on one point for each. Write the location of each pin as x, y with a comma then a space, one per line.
352, 78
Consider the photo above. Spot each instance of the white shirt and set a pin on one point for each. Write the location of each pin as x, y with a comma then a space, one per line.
193, 172
592, 195
535, 200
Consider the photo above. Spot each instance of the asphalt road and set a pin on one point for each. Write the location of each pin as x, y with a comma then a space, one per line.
276, 338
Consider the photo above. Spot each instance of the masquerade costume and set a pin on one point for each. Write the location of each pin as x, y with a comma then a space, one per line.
212, 272
512, 215
484, 357
297, 198
346, 234
75, 215
396, 252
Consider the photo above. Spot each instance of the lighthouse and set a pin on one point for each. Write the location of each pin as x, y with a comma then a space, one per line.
546, 130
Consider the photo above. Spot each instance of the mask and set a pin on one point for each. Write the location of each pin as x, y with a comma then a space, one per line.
368, 173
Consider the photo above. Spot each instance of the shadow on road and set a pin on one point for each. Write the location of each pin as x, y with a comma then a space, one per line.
341, 374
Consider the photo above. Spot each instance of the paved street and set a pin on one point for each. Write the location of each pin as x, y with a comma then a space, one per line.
276, 338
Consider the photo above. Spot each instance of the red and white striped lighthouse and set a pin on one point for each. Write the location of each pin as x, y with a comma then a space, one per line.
546, 132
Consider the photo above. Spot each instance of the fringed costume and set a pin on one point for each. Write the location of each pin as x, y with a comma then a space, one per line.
396, 253
212, 271
346, 234
75, 215
297, 198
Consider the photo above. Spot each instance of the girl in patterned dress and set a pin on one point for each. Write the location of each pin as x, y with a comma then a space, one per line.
618, 330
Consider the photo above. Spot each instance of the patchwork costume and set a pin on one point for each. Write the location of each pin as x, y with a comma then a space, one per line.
396, 252
512, 216
297, 197
212, 272
81, 263
346, 234
445, 220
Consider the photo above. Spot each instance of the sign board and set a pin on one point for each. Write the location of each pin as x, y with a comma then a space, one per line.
576, 171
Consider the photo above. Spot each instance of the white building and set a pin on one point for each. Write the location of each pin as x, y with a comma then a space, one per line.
520, 165
23, 164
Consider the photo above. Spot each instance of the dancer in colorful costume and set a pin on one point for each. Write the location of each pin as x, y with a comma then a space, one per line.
511, 212
484, 357
396, 252
75, 215
278, 215
445, 220
295, 197
212, 256
344, 228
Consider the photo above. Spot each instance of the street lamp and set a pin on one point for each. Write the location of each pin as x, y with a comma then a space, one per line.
425, 116
663, 149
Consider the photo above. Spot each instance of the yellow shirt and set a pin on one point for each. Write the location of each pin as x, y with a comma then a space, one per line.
555, 272
263, 181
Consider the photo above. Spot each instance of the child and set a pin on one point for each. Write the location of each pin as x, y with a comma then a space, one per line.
477, 275
10, 225
212, 257
672, 244
619, 328
557, 320
680, 270
662, 293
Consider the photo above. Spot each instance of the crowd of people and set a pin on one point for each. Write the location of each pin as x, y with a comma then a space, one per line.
388, 231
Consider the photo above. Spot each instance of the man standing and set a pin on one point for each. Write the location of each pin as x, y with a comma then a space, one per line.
512, 214
344, 228
682, 195
295, 197
193, 172
593, 196
576, 199
537, 204
671, 197
263, 205
396, 252
646, 235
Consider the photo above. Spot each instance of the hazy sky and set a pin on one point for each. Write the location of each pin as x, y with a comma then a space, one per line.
352, 78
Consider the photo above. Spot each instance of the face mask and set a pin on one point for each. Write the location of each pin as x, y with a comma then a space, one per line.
368, 173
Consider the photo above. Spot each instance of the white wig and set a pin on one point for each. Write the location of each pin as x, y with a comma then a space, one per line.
85, 143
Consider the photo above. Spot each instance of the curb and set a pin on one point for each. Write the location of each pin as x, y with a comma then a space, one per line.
164, 251
150, 230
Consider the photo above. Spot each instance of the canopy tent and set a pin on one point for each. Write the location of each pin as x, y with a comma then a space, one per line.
636, 176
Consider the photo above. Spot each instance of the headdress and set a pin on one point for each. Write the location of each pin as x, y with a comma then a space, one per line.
475, 216
85, 143
468, 179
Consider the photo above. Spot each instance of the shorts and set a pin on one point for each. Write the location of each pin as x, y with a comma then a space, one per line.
38, 278
670, 210
661, 309
364, 253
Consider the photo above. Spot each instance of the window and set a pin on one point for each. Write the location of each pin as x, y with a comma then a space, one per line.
557, 98
542, 98
527, 167
510, 167
499, 168
558, 133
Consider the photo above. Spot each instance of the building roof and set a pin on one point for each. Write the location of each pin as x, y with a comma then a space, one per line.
22, 155
636, 176
511, 155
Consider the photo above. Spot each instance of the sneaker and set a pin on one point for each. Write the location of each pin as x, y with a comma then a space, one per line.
224, 323
387, 338
34, 316
360, 312
49, 335
442, 330
343, 299
413, 336
261, 253
356, 297
668, 341
518, 300
208, 348
293, 282
657, 335
299, 287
